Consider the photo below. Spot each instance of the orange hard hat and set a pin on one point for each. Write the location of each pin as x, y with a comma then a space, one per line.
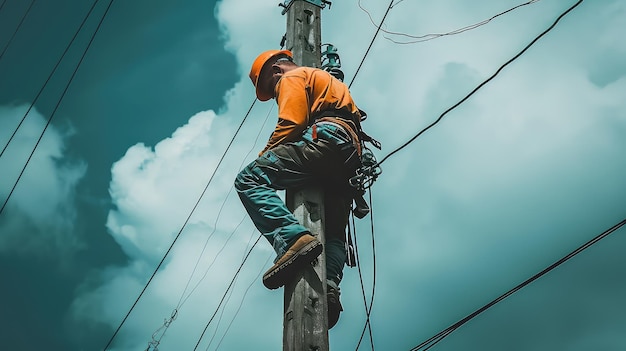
257, 66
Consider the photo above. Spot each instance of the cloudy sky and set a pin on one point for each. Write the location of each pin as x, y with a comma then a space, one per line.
524, 172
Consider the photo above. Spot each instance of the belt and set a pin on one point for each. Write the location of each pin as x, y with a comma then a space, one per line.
345, 127
340, 128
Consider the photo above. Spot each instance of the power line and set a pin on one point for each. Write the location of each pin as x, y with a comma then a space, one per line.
180, 232
182, 301
441, 335
184, 298
49, 76
427, 37
240, 304
242, 300
16, 29
226, 292
230, 295
156, 338
483, 83
58, 102
182, 228
397, 2
444, 333
371, 43
368, 309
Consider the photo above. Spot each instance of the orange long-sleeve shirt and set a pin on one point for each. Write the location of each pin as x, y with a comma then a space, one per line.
301, 93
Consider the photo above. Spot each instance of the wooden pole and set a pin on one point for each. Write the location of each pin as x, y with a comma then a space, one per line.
305, 322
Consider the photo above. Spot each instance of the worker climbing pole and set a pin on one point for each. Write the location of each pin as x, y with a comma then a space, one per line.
316, 153
305, 322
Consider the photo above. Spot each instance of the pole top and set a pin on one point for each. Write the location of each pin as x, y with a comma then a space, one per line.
319, 3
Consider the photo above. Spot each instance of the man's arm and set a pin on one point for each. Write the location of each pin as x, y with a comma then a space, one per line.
293, 109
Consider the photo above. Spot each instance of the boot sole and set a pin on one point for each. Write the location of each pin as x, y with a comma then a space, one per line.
278, 276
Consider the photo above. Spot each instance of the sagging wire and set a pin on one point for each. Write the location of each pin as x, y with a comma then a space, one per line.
246, 292
226, 292
558, 19
371, 42
429, 343
184, 298
269, 257
162, 329
362, 283
427, 37
364, 181
368, 308
181, 300
370, 170
182, 228
219, 320
156, 337
60, 98
442, 334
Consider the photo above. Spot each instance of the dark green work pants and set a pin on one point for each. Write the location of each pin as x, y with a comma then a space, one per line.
325, 156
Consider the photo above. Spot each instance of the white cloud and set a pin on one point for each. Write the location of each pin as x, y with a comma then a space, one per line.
153, 192
39, 217
524, 171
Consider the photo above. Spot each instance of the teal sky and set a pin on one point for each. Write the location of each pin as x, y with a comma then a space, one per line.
524, 172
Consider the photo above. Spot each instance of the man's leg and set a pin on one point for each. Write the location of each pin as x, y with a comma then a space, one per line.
286, 166
337, 205
256, 185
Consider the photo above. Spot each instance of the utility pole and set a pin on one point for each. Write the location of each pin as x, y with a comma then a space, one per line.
305, 320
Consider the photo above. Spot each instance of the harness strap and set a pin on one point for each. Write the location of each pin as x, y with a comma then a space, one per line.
351, 120
346, 126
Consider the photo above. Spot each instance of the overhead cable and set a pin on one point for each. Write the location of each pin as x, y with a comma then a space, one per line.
158, 335
357, 256
182, 301
183, 298
49, 76
483, 83
371, 43
16, 29
397, 2
226, 293
241, 304
368, 308
442, 334
58, 102
427, 37
169, 249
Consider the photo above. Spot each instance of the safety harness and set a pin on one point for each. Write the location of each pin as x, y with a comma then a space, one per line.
369, 170
366, 174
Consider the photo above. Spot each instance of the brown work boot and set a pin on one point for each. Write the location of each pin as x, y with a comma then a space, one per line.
302, 252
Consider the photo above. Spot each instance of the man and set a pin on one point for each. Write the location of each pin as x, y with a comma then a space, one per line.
315, 141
